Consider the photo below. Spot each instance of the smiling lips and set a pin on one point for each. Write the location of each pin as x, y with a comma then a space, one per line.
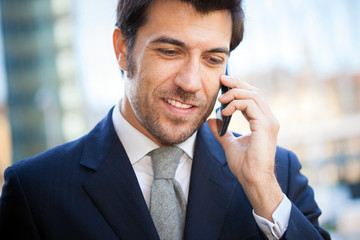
178, 104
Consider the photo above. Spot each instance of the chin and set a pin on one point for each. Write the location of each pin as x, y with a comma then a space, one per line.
172, 140
174, 134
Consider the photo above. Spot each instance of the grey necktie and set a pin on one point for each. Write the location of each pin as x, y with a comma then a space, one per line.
167, 202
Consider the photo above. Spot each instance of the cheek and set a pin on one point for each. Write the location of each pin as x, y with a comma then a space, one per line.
156, 72
211, 86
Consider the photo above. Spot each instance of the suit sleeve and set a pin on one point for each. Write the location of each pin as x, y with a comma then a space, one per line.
303, 222
16, 220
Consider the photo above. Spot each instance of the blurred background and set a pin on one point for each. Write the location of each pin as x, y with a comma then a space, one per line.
59, 76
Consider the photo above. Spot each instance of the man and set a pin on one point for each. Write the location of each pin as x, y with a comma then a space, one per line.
174, 54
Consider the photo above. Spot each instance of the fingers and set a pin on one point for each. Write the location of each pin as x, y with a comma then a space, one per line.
242, 94
235, 83
241, 90
247, 99
248, 107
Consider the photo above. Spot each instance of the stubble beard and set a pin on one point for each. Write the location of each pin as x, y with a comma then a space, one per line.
171, 134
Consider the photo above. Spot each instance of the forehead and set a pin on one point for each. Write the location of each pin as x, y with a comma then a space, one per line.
181, 21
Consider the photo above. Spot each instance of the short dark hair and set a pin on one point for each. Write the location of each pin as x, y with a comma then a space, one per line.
131, 15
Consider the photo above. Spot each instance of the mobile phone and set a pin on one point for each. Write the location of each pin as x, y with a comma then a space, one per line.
224, 121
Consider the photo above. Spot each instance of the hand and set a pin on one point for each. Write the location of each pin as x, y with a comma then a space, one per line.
251, 158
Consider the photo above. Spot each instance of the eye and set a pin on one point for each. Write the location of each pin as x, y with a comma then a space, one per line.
214, 60
168, 52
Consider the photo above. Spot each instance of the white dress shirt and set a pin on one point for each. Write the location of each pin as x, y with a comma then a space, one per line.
137, 147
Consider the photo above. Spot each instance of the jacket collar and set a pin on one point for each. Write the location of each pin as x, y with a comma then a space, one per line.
114, 189
211, 188
112, 184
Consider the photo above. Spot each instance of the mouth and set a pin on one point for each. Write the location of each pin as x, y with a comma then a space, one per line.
177, 104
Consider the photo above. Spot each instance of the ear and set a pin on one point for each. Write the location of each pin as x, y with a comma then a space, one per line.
120, 48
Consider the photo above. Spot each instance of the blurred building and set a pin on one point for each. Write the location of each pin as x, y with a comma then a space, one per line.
44, 100
5, 143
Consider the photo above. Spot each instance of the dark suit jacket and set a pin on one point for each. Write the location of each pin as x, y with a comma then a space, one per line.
87, 189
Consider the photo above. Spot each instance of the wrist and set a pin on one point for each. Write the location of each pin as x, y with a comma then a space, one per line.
265, 198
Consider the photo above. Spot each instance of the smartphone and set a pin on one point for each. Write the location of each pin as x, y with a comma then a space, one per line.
224, 121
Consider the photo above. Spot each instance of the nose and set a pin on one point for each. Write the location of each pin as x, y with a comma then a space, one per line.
189, 76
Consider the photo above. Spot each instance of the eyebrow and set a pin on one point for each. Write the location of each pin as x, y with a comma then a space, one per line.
219, 50
178, 43
170, 41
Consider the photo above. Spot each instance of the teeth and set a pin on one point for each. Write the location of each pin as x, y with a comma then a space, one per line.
178, 104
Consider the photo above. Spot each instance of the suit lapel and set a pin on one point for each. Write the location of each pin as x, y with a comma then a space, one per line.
113, 187
211, 188
112, 184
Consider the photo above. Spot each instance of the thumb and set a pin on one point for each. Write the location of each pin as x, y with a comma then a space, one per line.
226, 138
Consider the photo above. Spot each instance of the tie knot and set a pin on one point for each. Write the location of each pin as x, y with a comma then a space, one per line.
165, 161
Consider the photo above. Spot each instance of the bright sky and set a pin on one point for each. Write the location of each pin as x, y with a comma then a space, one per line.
279, 33
100, 74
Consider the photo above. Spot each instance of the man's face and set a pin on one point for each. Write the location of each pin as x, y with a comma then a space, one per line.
179, 56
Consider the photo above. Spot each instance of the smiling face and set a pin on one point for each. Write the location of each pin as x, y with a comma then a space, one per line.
178, 58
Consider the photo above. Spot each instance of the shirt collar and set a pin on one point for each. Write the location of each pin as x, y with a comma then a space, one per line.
136, 144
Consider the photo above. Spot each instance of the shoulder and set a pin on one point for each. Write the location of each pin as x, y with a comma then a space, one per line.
285, 160
62, 157
68, 156
286, 157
